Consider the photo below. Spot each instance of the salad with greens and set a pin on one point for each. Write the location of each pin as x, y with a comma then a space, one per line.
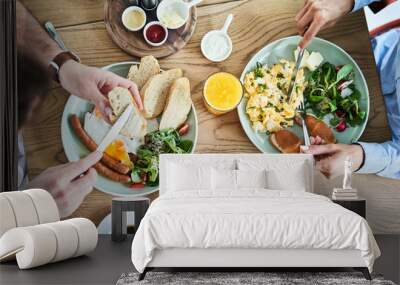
331, 90
145, 170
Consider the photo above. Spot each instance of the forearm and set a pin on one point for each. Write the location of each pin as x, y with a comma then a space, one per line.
32, 39
382, 159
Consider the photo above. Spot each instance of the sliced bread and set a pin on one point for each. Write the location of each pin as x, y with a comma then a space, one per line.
136, 126
285, 141
178, 104
155, 92
148, 67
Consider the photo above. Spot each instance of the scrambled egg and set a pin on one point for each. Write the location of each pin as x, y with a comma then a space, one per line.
266, 89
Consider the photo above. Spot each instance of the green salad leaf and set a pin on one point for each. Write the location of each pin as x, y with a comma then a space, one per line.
324, 94
161, 141
343, 72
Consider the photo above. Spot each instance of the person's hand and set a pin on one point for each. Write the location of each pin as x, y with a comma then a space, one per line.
69, 183
330, 157
317, 140
93, 84
318, 14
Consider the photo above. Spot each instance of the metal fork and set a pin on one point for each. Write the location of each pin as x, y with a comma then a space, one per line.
302, 109
292, 81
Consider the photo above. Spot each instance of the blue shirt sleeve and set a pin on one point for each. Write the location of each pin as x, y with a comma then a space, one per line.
384, 159
358, 4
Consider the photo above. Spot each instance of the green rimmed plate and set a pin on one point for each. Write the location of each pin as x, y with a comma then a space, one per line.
284, 48
74, 149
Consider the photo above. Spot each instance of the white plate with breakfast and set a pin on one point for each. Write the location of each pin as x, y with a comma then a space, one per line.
167, 124
332, 84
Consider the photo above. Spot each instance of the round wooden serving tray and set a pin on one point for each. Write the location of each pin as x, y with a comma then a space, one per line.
134, 43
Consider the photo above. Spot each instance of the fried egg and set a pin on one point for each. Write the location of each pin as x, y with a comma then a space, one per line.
120, 148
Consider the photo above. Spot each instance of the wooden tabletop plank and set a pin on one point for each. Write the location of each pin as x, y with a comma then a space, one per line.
64, 13
83, 30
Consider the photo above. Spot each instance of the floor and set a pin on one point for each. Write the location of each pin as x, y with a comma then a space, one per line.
110, 260
103, 266
389, 263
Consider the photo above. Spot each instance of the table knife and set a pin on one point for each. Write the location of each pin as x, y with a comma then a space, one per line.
294, 73
115, 129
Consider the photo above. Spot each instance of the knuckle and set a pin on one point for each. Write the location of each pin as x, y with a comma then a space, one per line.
55, 185
320, 17
61, 196
314, 6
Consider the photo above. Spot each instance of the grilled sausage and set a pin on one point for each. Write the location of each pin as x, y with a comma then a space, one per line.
111, 174
92, 146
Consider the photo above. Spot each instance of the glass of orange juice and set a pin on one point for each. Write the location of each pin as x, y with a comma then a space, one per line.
222, 93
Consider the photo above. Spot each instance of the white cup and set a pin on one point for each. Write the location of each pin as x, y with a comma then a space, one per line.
125, 13
174, 8
148, 40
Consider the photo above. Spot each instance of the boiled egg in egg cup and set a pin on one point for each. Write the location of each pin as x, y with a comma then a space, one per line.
216, 45
133, 18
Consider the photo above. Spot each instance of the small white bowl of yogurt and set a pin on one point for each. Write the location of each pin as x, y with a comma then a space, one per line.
133, 18
216, 45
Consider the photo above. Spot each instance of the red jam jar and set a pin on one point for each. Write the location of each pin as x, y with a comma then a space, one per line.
155, 33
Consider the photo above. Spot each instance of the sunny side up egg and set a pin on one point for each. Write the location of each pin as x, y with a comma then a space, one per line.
120, 148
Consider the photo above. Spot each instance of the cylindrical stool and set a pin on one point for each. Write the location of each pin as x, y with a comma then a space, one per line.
120, 206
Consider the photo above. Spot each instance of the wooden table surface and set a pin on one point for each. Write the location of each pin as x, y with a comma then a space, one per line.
256, 23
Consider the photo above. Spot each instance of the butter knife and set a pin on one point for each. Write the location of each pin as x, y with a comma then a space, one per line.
115, 129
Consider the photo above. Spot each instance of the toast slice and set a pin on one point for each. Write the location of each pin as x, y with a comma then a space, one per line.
316, 127
285, 141
178, 104
136, 126
148, 67
155, 92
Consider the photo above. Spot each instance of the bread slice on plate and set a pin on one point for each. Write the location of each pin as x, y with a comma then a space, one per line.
155, 92
178, 104
285, 141
316, 127
148, 67
136, 126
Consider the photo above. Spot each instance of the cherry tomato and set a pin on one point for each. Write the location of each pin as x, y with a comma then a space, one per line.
341, 126
183, 130
137, 185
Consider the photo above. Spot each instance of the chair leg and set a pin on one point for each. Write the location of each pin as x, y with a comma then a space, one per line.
364, 271
142, 275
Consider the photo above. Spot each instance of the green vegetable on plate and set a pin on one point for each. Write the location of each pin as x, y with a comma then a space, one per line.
330, 90
157, 142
